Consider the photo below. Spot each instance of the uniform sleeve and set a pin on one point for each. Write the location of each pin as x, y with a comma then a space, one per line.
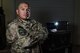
10, 34
42, 32
39, 35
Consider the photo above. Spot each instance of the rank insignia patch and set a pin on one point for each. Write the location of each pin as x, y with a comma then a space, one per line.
22, 31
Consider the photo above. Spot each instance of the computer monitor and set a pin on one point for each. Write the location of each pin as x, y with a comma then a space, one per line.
58, 25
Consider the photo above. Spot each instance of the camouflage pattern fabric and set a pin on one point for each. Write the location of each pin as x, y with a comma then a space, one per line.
24, 36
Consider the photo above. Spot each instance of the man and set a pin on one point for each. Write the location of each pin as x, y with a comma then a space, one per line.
25, 34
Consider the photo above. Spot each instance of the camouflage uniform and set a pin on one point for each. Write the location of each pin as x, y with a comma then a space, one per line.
25, 36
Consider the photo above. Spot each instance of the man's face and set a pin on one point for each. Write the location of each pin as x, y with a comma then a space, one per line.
22, 11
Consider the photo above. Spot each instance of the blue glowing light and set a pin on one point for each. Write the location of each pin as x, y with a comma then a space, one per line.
56, 23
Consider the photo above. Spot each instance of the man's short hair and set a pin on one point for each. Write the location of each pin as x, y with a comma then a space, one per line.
17, 4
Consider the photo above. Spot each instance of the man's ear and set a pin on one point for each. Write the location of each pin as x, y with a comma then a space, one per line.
17, 12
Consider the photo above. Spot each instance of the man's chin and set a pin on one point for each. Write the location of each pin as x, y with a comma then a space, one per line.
24, 18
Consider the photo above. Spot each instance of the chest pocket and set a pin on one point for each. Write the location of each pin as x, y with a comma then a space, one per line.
22, 31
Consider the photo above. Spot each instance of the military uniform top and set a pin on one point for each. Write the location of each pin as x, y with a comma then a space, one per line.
25, 35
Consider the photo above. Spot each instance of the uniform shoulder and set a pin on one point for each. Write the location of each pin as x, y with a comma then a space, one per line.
35, 21
13, 23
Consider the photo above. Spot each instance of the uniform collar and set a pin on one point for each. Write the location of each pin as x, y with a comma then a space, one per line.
24, 21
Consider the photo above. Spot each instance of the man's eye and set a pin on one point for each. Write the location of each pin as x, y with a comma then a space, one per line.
22, 9
26, 10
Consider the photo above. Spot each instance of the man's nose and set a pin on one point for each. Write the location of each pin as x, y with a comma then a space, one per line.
25, 11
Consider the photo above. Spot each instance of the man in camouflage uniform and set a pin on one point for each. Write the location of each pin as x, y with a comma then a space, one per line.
24, 34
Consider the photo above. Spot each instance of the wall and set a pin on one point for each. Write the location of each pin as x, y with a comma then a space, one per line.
76, 38
9, 10
0, 2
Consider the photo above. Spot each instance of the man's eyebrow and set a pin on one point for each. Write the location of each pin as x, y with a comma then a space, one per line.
25, 6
